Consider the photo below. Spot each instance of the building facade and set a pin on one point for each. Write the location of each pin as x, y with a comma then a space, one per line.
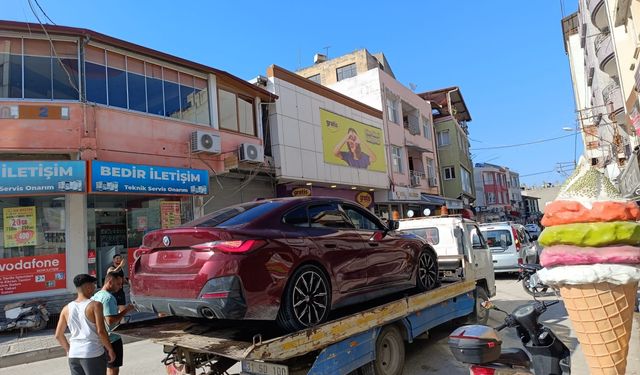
451, 117
601, 42
413, 173
532, 213
324, 143
103, 140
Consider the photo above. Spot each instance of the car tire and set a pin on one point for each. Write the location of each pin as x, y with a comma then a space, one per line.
306, 301
427, 271
389, 352
480, 315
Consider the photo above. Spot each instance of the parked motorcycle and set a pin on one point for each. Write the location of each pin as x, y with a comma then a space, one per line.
530, 280
24, 315
481, 347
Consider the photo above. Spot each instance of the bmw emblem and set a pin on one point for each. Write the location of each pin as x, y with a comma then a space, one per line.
166, 241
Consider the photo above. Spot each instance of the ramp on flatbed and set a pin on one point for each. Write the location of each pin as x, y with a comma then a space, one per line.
255, 340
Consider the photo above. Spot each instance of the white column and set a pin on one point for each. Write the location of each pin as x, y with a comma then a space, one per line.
213, 101
76, 236
258, 111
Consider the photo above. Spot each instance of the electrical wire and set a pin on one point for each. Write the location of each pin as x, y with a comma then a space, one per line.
537, 173
524, 144
43, 12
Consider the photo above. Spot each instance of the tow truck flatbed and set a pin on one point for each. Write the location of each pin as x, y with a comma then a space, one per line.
344, 344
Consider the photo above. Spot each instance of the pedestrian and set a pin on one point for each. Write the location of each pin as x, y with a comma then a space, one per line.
118, 267
85, 320
112, 283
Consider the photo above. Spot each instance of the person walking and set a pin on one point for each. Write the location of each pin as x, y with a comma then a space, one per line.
85, 320
118, 267
113, 283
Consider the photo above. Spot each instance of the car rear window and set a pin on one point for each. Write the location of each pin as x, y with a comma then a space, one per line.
493, 237
235, 215
431, 235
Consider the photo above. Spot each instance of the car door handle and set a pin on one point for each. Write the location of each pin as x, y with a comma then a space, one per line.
373, 244
330, 245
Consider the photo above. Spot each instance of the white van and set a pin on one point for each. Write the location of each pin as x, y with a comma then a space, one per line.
454, 237
510, 246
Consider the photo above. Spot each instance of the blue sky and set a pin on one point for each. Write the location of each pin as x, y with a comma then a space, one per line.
506, 56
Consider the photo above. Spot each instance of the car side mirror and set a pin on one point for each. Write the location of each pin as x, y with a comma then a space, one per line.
393, 225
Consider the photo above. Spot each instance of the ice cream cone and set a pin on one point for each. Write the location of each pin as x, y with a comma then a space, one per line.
602, 316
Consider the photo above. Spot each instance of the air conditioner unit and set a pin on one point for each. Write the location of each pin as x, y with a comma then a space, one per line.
251, 153
433, 182
415, 180
205, 142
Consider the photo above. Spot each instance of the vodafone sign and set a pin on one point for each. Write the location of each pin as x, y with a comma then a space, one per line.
32, 274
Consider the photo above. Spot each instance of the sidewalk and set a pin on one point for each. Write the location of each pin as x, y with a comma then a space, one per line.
39, 345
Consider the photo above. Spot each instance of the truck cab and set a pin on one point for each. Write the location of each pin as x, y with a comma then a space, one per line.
461, 248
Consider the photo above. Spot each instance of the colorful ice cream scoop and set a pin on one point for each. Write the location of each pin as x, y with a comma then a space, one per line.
567, 255
592, 234
561, 212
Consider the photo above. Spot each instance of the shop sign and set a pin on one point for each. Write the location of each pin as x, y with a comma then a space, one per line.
19, 226
170, 214
111, 177
42, 177
32, 274
405, 194
364, 198
300, 192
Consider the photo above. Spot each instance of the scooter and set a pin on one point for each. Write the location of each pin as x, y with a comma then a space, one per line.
24, 315
530, 281
481, 347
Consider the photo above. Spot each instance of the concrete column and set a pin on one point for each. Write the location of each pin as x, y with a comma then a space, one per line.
258, 111
213, 101
76, 236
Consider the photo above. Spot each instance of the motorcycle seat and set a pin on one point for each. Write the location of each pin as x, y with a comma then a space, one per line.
531, 267
10, 306
514, 357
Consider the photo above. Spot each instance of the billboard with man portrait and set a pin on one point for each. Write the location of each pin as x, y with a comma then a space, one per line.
351, 143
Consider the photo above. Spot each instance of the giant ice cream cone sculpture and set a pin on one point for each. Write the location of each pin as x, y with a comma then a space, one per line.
592, 254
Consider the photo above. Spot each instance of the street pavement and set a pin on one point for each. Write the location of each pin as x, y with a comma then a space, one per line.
425, 356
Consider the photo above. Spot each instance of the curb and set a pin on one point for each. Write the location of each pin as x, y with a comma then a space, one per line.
44, 354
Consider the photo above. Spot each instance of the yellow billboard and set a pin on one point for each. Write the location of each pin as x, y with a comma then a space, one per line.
351, 143
19, 226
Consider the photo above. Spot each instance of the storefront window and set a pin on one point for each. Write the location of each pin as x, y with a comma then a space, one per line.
117, 224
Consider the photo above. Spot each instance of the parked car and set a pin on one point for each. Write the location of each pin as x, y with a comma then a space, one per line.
533, 230
510, 246
292, 260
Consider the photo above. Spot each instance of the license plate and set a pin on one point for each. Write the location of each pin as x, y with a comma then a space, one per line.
263, 368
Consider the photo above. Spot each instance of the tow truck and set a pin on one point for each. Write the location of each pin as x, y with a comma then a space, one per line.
369, 341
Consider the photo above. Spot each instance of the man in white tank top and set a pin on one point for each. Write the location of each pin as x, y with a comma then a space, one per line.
88, 341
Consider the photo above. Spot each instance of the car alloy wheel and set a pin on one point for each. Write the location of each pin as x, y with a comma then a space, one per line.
310, 298
427, 271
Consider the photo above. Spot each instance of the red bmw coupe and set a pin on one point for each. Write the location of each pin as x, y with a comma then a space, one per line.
292, 260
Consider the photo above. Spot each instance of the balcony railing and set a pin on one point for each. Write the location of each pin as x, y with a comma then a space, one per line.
612, 97
598, 14
604, 53
412, 124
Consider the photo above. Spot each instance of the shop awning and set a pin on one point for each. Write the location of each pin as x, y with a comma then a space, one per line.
433, 199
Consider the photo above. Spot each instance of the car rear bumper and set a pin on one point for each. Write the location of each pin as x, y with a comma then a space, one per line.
221, 298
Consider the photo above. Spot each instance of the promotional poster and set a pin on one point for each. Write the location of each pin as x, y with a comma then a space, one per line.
351, 143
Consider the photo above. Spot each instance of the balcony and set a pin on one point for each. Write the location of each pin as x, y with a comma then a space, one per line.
598, 13
612, 96
606, 54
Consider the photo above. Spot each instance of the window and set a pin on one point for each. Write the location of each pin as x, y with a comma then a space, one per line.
137, 86
396, 162
499, 198
298, 217
360, 219
315, 78
116, 80
494, 236
443, 138
431, 235
228, 110
426, 128
431, 170
346, 71
449, 173
491, 198
328, 216
465, 176
488, 178
477, 239
155, 94
459, 134
10, 67
245, 116
392, 110
235, 215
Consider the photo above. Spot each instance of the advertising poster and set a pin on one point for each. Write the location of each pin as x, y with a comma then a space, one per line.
19, 226
32, 274
42, 177
351, 143
170, 214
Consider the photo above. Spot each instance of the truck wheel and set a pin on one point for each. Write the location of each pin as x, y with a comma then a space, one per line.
389, 352
480, 315
427, 278
306, 300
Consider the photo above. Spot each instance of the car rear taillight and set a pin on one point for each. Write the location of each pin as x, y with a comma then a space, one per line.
234, 246
515, 238
140, 252
478, 370
216, 295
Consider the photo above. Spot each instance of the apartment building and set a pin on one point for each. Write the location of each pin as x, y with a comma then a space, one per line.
413, 172
602, 42
498, 194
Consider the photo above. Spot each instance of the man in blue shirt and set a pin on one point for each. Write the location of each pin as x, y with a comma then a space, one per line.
112, 284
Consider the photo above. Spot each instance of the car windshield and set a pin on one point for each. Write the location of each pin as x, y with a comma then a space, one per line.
235, 215
431, 235
493, 237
